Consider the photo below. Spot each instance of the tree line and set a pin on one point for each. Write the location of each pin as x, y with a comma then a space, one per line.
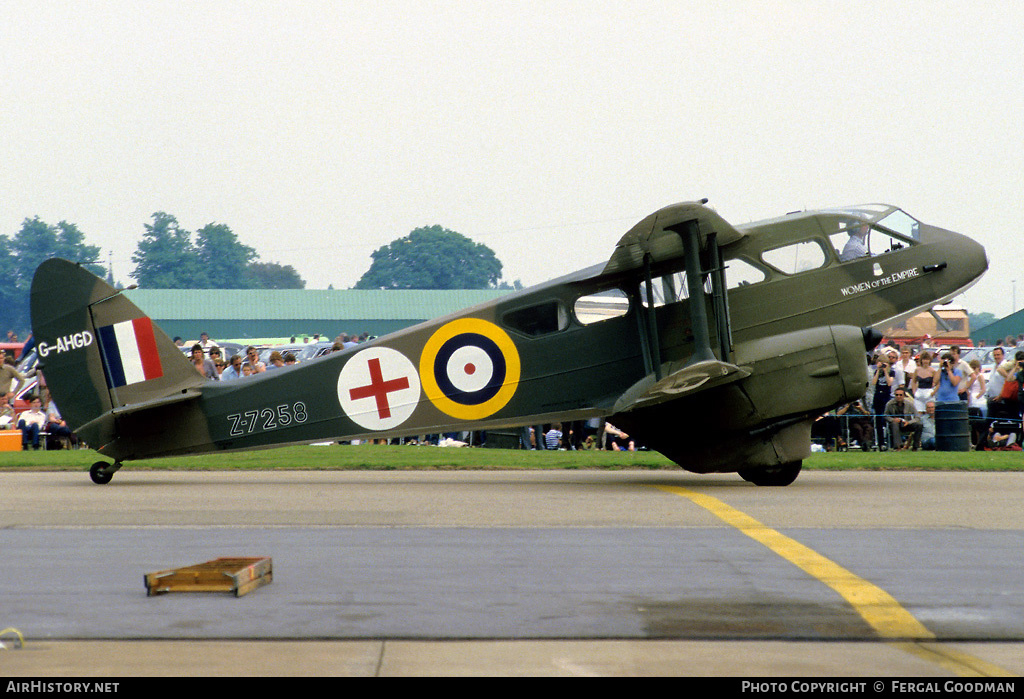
171, 257
20, 255
432, 257
166, 257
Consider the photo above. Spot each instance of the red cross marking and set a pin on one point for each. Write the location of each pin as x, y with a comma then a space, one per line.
379, 389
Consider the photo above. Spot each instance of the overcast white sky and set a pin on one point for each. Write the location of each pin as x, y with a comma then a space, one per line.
319, 131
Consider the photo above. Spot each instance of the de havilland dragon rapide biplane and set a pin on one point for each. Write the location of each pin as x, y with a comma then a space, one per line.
717, 345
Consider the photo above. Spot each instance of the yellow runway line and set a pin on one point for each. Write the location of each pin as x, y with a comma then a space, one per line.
876, 606
963, 664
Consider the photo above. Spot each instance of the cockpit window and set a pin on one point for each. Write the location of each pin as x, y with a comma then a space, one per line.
901, 223
878, 216
798, 257
864, 240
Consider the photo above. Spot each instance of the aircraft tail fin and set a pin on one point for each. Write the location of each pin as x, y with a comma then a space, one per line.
99, 352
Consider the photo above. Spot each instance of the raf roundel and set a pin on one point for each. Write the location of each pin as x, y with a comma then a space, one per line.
469, 368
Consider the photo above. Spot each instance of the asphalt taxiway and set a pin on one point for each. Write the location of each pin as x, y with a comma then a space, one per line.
507, 573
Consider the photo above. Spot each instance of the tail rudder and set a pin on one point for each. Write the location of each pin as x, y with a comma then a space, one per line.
98, 351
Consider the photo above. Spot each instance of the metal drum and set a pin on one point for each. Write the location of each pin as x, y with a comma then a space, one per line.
952, 427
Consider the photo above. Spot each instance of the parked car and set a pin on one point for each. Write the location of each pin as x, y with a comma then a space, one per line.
303, 352
226, 349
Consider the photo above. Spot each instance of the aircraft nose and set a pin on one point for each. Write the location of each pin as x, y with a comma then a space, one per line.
966, 261
974, 259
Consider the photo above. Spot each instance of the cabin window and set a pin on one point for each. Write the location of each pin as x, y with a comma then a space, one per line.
798, 257
666, 289
739, 272
541, 319
594, 308
672, 287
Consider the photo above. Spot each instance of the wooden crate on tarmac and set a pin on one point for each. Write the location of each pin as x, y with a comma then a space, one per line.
239, 576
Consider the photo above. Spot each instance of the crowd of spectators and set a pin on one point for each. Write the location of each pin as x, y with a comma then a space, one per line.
41, 423
209, 360
594, 433
898, 410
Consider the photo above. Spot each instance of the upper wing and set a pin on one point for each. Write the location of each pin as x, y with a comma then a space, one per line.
652, 235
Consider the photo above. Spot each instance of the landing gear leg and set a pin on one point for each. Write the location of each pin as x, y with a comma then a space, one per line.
101, 472
780, 475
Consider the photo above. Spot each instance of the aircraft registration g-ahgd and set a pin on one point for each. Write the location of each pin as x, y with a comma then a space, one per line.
717, 345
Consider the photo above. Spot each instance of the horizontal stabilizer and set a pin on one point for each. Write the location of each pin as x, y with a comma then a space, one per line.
108, 417
690, 379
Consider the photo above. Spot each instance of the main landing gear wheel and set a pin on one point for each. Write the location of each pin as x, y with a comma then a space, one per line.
101, 472
780, 475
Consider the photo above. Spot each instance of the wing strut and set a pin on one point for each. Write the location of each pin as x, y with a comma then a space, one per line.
653, 346
689, 232
721, 302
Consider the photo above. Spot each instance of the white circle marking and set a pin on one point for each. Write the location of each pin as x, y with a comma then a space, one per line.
378, 388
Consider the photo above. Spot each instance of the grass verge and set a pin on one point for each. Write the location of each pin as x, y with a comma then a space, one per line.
383, 458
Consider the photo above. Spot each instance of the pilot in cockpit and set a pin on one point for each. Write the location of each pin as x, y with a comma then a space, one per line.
857, 245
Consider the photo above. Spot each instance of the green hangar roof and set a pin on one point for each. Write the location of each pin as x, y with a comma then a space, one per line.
240, 313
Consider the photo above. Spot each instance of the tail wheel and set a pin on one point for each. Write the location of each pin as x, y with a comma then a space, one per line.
780, 475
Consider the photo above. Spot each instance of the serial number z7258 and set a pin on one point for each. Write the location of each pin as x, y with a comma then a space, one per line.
265, 419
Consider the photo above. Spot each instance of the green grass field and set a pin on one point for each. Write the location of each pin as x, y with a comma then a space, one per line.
384, 458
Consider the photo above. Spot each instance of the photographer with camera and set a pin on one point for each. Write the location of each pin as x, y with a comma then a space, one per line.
949, 379
882, 380
965, 372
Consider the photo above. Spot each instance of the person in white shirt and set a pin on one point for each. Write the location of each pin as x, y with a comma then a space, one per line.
995, 377
904, 367
976, 388
206, 343
233, 370
31, 423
